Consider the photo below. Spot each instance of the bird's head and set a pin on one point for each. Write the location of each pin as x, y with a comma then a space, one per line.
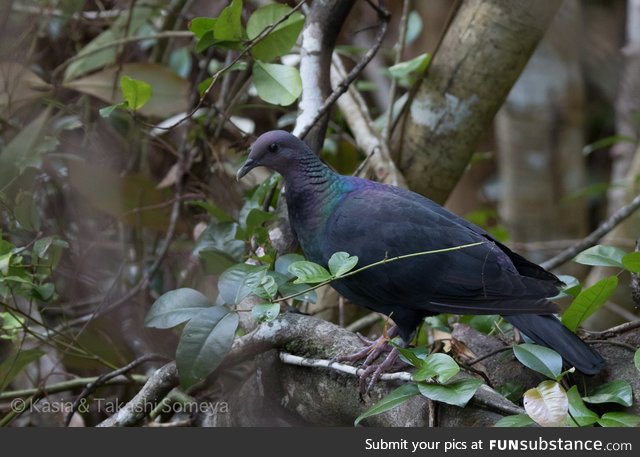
277, 150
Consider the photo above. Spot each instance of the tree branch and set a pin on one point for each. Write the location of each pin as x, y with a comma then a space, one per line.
592, 239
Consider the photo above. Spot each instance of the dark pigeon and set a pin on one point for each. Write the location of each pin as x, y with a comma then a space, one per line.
330, 213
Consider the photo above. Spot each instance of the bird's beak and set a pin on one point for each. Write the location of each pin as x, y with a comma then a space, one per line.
249, 165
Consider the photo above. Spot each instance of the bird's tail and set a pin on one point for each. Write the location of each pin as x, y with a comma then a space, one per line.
547, 330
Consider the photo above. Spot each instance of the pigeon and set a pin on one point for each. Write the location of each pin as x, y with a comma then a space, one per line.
329, 213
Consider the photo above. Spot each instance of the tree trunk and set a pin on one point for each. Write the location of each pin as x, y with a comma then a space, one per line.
482, 54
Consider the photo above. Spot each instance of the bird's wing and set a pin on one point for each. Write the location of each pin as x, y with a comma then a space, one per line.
375, 223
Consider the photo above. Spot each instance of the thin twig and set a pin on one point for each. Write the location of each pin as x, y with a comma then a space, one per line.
364, 322
614, 343
617, 330
399, 48
341, 88
71, 384
103, 379
590, 240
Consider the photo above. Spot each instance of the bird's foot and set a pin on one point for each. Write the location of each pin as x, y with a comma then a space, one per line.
369, 376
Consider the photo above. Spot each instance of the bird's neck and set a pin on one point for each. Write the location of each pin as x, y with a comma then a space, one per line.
312, 191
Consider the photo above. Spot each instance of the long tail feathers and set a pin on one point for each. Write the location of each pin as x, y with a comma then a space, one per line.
547, 330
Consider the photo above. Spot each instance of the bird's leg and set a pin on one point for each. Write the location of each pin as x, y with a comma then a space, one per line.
372, 351
372, 372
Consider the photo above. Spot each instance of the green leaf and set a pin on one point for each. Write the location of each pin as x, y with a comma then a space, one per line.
540, 359
341, 263
175, 307
618, 391
636, 358
44, 292
288, 288
414, 66
457, 393
606, 142
283, 262
395, 398
588, 302
15, 363
265, 312
219, 248
578, 410
201, 25
631, 262
281, 39
308, 272
266, 288
517, 420
601, 256
255, 218
277, 84
619, 419
135, 93
547, 404
107, 111
228, 26
205, 341
438, 366
238, 281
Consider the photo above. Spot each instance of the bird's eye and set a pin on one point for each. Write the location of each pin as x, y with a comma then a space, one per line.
273, 147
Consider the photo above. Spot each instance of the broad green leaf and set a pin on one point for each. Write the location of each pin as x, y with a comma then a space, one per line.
265, 312
547, 404
201, 25
255, 218
288, 288
281, 39
238, 281
457, 393
44, 292
266, 288
410, 356
228, 26
308, 272
517, 420
414, 66
283, 262
578, 410
484, 324
636, 359
92, 60
175, 307
439, 366
26, 211
204, 343
618, 391
341, 263
540, 359
15, 363
619, 419
601, 256
395, 398
135, 93
171, 93
588, 302
277, 84
219, 248
631, 262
